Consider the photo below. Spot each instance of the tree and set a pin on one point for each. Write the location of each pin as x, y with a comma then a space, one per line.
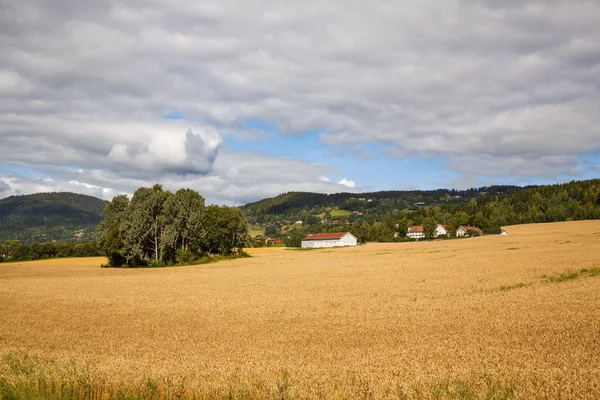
142, 229
10, 247
403, 226
429, 226
111, 240
381, 232
225, 230
271, 230
293, 237
186, 208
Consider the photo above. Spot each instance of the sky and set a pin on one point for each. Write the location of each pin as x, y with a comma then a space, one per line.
246, 99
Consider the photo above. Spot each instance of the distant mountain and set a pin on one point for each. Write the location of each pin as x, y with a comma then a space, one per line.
301, 204
44, 217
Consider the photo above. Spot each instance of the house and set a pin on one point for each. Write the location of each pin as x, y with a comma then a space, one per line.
504, 232
416, 232
298, 222
440, 230
321, 240
468, 230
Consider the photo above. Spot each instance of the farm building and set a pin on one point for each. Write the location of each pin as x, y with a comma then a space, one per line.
440, 230
468, 230
504, 232
321, 240
416, 232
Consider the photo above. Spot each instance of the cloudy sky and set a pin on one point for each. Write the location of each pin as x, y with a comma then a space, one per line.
246, 99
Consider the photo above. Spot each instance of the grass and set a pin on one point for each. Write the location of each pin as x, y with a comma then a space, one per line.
572, 275
340, 213
408, 320
506, 288
335, 213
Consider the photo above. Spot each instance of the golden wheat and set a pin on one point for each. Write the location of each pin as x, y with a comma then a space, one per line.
473, 318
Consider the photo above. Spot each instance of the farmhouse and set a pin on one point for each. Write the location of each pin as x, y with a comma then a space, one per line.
416, 232
468, 230
504, 232
440, 230
321, 240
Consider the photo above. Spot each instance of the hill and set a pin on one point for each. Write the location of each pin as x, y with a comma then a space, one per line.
44, 217
302, 205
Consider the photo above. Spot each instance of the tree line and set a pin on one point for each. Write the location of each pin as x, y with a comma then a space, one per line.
157, 227
14, 250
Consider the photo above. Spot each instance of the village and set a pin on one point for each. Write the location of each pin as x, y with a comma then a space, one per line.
346, 238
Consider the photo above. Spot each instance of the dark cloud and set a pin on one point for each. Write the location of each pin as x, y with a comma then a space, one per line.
505, 87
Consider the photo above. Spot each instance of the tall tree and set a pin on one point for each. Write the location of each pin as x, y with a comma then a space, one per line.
111, 240
429, 226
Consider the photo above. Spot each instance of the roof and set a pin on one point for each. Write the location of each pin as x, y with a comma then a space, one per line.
417, 228
472, 228
326, 236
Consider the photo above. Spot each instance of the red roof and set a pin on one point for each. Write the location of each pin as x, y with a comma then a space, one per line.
417, 228
472, 228
326, 236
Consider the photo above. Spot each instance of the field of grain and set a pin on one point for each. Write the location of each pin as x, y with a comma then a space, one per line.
514, 316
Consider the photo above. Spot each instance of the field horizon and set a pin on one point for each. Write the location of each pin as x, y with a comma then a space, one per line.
514, 316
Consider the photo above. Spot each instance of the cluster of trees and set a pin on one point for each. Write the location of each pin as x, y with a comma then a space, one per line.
158, 227
14, 250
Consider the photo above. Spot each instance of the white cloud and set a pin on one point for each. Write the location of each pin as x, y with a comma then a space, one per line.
497, 87
236, 178
347, 183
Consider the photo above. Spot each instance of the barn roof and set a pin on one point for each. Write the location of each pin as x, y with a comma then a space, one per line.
326, 236
468, 228
416, 228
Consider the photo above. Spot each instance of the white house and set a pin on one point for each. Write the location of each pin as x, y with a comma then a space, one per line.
440, 230
416, 232
504, 232
468, 230
321, 240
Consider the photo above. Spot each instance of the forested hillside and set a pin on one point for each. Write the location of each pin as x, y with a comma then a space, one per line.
375, 217
302, 205
44, 217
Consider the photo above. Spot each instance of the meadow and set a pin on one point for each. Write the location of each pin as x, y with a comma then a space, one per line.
494, 317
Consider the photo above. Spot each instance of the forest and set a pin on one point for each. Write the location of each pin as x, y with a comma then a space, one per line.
14, 250
158, 227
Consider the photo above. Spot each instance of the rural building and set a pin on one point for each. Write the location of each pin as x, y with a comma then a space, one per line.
416, 232
321, 240
468, 230
504, 232
440, 230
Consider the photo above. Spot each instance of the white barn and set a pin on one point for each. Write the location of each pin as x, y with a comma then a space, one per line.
322, 240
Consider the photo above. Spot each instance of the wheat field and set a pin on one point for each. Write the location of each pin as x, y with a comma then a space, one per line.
496, 317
